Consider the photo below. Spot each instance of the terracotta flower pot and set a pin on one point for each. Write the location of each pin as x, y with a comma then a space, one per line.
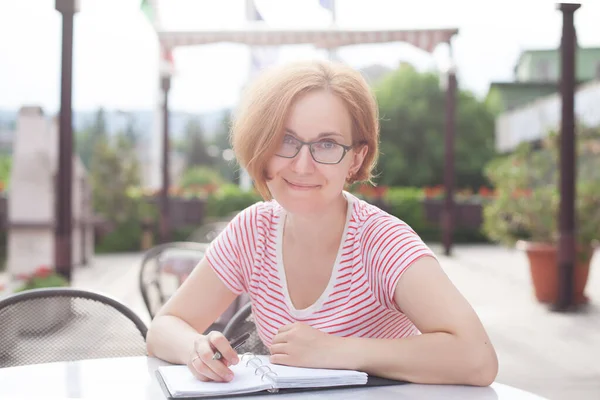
543, 263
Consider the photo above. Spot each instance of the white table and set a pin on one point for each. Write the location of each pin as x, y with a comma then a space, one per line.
134, 378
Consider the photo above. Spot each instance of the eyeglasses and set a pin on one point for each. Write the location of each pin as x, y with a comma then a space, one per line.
322, 151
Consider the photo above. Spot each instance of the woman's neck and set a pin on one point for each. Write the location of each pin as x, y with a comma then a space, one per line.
319, 230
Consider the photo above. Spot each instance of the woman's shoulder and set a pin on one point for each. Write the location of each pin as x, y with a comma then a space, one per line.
257, 214
368, 216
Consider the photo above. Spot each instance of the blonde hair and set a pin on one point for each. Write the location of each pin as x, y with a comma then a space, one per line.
258, 124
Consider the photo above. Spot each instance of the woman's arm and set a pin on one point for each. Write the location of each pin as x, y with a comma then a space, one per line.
453, 348
200, 300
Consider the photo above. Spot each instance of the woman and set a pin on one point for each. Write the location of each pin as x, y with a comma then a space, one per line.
334, 281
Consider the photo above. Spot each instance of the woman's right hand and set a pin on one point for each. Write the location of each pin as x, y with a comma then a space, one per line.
201, 362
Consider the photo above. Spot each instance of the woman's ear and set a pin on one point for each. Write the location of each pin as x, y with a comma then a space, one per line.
359, 157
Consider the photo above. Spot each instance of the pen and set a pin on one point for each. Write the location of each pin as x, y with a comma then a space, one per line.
235, 343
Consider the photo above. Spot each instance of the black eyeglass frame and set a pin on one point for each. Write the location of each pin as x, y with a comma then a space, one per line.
346, 148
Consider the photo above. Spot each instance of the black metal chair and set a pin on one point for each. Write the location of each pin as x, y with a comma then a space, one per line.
240, 323
208, 232
67, 324
156, 283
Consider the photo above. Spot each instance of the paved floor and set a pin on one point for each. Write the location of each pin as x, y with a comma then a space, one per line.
551, 354
548, 353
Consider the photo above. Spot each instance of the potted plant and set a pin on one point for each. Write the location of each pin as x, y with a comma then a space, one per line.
525, 209
49, 314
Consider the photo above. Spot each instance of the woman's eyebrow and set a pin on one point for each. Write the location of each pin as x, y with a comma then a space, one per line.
321, 135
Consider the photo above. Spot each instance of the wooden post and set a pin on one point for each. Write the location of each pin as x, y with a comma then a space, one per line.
64, 182
165, 225
568, 176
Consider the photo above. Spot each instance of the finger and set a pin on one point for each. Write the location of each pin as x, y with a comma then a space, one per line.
219, 342
192, 368
219, 366
282, 359
201, 371
285, 328
214, 369
279, 348
281, 337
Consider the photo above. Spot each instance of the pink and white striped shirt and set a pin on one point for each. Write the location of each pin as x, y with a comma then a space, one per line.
359, 300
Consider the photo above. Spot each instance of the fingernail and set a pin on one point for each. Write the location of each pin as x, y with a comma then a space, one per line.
229, 376
235, 360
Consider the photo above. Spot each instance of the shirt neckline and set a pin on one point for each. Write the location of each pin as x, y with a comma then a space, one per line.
302, 313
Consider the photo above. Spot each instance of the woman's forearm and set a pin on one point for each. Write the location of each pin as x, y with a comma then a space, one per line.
171, 339
434, 358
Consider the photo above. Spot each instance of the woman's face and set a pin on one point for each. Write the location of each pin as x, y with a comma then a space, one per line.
299, 183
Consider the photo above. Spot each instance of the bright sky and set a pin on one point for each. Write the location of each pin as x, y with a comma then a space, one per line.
115, 49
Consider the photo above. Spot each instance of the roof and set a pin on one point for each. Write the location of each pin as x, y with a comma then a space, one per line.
556, 49
531, 84
425, 39
549, 50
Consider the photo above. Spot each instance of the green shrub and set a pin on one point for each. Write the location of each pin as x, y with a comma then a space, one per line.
528, 198
183, 234
199, 176
406, 203
126, 237
229, 199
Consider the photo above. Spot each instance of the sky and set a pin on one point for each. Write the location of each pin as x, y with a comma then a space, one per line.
115, 55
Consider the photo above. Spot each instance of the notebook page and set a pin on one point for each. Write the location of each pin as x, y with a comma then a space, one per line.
182, 383
296, 377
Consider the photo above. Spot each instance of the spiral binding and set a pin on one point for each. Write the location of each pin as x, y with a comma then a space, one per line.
264, 370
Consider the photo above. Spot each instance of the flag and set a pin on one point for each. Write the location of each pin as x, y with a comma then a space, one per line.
252, 13
260, 57
148, 9
327, 4
167, 63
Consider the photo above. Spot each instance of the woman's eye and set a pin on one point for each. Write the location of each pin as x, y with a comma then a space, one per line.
327, 144
287, 139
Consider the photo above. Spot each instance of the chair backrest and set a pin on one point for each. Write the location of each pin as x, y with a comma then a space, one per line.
240, 323
156, 285
208, 232
163, 270
67, 324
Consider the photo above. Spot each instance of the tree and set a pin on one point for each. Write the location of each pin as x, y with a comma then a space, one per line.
86, 140
98, 128
195, 151
412, 115
131, 133
114, 172
228, 169
221, 139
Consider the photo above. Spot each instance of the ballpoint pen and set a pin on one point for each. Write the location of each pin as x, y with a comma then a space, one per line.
235, 343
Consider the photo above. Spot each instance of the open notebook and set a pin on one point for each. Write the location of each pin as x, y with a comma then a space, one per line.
254, 374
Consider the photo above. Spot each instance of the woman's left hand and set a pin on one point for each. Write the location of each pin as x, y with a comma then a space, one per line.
301, 345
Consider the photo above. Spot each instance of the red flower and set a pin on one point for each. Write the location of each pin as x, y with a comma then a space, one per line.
520, 193
43, 271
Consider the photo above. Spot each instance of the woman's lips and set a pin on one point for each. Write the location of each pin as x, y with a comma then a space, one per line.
301, 186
